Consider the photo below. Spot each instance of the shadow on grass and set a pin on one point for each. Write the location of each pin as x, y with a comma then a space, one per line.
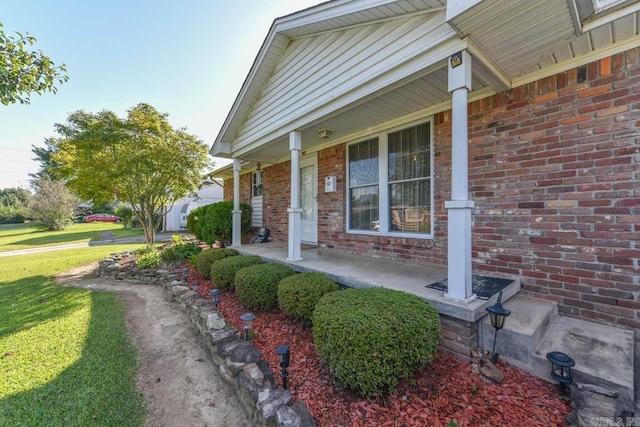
98, 389
63, 237
27, 302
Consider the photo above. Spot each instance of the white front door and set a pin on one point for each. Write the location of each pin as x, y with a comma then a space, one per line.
309, 198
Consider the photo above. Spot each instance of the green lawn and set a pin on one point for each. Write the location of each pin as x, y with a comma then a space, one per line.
25, 236
65, 356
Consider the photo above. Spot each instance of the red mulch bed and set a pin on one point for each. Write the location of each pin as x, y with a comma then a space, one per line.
445, 390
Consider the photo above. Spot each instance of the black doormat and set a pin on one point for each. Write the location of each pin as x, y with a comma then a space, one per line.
483, 286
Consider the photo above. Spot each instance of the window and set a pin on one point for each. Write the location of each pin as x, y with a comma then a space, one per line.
256, 183
410, 180
364, 186
390, 183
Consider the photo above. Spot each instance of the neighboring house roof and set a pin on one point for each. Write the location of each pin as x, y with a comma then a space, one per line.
330, 64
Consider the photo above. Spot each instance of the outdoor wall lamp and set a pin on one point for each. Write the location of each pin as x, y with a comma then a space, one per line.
185, 274
215, 298
247, 320
561, 365
497, 315
285, 358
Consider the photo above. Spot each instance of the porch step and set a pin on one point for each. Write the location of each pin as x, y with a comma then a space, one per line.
604, 355
523, 330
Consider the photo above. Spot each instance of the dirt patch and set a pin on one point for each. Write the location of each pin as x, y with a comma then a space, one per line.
180, 385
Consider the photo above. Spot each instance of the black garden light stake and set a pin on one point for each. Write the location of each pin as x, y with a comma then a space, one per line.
215, 298
561, 365
285, 358
185, 274
247, 320
497, 315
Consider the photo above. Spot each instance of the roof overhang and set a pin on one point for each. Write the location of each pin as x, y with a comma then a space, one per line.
512, 42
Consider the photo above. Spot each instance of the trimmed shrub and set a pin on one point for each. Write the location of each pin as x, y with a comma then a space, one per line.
257, 286
370, 338
299, 294
223, 272
211, 223
208, 257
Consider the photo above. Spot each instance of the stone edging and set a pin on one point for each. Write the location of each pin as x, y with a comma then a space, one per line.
239, 362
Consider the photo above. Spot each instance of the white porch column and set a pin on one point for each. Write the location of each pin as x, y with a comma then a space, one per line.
295, 212
236, 234
459, 207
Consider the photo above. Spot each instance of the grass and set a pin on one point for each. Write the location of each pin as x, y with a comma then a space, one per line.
25, 236
65, 356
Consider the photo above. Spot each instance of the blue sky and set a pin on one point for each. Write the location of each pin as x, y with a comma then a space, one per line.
186, 58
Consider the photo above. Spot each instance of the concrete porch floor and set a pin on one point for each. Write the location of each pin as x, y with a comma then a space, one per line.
359, 271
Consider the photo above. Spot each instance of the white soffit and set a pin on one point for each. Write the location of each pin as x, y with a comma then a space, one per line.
530, 39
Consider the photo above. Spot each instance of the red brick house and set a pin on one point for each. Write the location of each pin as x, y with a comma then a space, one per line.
494, 136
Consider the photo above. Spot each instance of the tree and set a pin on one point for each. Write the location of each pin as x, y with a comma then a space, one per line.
140, 160
23, 72
13, 205
44, 155
53, 204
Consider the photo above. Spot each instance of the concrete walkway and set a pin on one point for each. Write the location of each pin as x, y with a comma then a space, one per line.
163, 237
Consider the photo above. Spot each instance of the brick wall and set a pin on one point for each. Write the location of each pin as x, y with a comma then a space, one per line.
276, 184
245, 189
554, 172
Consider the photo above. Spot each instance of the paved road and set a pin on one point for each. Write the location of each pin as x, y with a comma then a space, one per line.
164, 237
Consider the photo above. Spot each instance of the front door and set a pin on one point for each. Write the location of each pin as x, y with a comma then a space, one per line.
309, 198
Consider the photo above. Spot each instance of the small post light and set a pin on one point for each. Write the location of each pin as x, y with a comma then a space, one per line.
215, 296
195, 286
497, 315
561, 365
185, 274
285, 358
247, 320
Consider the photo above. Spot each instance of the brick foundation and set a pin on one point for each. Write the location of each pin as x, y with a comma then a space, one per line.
458, 336
553, 170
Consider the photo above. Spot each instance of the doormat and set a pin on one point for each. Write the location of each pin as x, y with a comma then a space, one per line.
483, 286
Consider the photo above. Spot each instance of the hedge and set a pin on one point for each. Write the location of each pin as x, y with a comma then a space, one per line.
299, 294
370, 338
223, 272
257, 286
207, 257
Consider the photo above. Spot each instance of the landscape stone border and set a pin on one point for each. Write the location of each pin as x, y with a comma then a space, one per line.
240, 363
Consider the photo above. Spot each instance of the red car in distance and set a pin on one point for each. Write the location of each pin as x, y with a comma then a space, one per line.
102, 218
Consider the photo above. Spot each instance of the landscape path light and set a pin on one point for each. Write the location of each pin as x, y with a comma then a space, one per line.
285, 358
247, 321
215, 296
561, 365
497, 315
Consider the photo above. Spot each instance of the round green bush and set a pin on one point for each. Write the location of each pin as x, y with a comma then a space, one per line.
208, 257
257, 286
299, 294
370, 338
223, 272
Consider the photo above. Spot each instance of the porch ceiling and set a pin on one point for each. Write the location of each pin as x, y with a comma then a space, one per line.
528, 37
416, 97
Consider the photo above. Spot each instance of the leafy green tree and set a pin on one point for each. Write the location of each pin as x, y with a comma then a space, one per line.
44, 155
13, 205
23, 72
53, 204
126, 214
140, 160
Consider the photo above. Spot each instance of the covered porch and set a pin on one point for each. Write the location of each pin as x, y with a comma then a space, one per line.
359, 271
